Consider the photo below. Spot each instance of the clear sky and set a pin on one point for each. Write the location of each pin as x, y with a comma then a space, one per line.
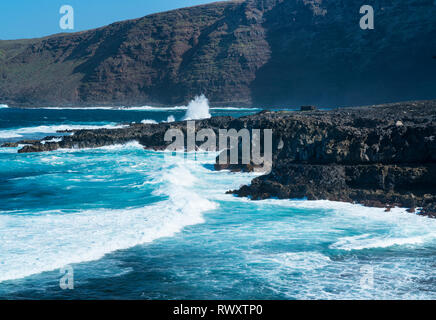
38, 18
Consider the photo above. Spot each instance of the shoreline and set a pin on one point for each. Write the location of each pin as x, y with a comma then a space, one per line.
379, 156
334, 206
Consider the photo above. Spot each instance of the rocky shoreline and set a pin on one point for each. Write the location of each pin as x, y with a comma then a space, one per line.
382, 156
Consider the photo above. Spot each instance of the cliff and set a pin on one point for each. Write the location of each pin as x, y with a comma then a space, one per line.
252, 53
379, 156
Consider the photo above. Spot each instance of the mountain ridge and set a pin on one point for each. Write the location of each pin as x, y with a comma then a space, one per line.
245, 53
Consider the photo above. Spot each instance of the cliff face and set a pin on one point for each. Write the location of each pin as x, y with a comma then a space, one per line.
254, 52
378, 156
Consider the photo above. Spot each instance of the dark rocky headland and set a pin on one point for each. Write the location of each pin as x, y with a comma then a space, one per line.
380, 156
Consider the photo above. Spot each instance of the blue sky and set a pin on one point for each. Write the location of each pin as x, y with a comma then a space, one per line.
37, 18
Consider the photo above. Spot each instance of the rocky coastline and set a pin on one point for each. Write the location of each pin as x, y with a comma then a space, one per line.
382, 156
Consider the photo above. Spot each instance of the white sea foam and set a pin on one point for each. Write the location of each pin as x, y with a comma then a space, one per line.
122, 108
34, 243
297, 261
388, 229
58, 238
51, 140
4, 106
8, 150
125, 146
198, 109
142, 108
178, 108
149, 108
76, 108
375, 228
22, 132
31, 244
113, 147
235, 109
148, 121
368, 241
6, 134
170, 119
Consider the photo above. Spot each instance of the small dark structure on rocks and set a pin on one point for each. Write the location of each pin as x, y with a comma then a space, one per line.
307, 108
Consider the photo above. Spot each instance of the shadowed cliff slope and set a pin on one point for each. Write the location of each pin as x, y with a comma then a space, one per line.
254, 52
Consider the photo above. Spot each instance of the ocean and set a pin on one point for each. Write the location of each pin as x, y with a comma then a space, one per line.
133, 224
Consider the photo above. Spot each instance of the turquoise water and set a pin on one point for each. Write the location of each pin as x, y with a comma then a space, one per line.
135, 224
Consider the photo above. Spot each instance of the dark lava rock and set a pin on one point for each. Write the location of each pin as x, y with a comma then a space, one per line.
9, 145
21, 142
358, 154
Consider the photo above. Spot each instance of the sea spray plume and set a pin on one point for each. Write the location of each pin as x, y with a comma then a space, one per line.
170, 119
198, 109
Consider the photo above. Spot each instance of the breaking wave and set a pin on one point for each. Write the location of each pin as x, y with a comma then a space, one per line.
198, 109
63, 237
143, 108
368, 241
149, 108
176, 108
170, 119
23, 132
148, 121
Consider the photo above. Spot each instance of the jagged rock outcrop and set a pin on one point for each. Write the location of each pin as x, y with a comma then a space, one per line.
254, 52
378, 156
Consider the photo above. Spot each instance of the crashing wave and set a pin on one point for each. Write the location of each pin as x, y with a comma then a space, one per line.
198, 109
22, 132
148, 108
170, 119
54, 246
